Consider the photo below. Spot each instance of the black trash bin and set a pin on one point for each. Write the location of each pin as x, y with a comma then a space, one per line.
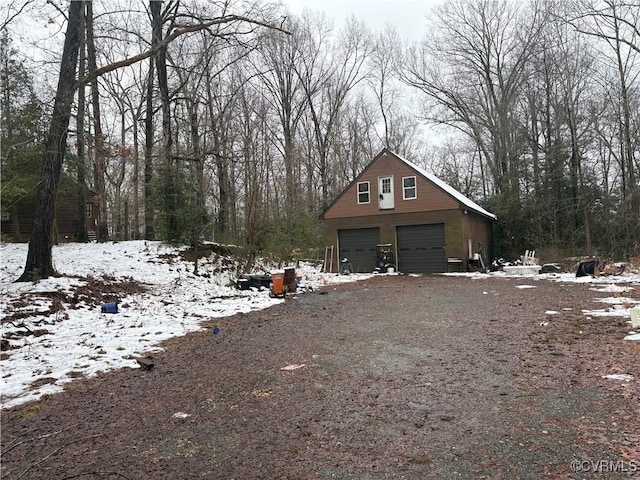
289, 280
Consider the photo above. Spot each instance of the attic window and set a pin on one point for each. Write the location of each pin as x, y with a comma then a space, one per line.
363, 192
409, 191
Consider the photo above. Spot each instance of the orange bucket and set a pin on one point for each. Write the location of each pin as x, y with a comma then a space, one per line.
277, 282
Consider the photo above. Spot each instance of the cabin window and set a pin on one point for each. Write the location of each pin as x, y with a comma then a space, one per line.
409, 191
89, 210
363, 192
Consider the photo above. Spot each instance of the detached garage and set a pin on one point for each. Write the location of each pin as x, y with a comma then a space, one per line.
421, 224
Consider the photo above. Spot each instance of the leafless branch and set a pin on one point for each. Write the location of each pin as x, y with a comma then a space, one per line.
14, 443
47, 457
60, 11
603, 14
11, 17
608, 37
170, 38
96, 474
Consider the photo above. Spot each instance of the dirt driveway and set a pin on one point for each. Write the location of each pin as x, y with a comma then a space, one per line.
427, 377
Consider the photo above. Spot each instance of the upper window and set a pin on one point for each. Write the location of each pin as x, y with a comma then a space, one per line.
363, 192
386, 185
409, 190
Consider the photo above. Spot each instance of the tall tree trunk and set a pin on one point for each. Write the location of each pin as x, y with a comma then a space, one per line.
585, 213
122, 227
81, 162
218, 132
200, 213
631, 190
136, 178
149, 209
100, 152
169, 178
39, 262
577, 182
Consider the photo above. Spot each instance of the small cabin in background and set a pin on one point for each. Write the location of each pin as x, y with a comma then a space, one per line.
17, 219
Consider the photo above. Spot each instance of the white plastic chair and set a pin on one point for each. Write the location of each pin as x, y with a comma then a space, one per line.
529, 257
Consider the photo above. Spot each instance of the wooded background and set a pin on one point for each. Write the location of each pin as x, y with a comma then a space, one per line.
240, 122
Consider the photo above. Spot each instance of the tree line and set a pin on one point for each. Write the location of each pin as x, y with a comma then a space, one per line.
202, 120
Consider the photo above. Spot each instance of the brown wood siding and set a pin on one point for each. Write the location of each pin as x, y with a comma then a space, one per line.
430, 198
18, 227
67, 219
479, 230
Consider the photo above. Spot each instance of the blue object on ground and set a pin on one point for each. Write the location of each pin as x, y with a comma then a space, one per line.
111, 307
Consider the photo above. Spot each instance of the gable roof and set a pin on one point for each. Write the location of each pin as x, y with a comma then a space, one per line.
448, 189
467, 202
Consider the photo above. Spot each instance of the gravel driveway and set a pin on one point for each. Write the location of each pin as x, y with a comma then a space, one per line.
431, 377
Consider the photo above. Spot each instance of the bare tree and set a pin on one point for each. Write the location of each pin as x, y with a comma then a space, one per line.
98, 135
358, 140
276, 68
13, 10
458, 164
616, 23
39, 262
385, 66
149, 207
83, 235
169, 190
471, 69
556, 109
126, 89
328, 73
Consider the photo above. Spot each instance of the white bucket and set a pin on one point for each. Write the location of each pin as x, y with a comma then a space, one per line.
635, 317
390, 270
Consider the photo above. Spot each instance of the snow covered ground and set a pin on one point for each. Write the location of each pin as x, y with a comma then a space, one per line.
79, 340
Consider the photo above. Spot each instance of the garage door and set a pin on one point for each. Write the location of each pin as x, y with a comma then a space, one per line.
421, 248
359, 246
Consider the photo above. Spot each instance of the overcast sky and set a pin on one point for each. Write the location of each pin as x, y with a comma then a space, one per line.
408, 16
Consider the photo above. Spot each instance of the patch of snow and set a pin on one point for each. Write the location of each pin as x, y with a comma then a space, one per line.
293, 366
607, 281
615, 311
82, 341
525, 286
551, 312
618, 300
612, 289
181, 415
619, 376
